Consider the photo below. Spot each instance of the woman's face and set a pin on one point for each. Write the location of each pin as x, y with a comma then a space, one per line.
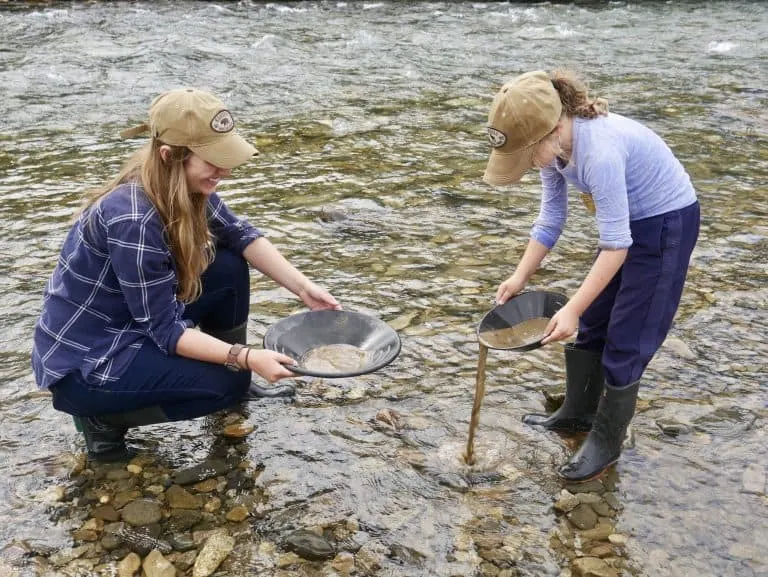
202, 176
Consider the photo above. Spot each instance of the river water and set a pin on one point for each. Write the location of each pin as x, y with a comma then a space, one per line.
369, 118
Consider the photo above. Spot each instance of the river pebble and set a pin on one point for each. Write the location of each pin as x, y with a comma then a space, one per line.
128, 565
753, 480
215, 550
155, 565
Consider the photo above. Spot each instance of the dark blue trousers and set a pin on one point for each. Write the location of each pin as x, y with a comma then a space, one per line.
630, 319
184, 388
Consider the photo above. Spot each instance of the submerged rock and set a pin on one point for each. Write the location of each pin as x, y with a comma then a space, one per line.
201, 472
216, 549
309, 545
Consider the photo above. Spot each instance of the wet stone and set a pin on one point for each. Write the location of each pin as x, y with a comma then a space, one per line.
566, 501
583, 516
105, 513
110, 542
452, 481
588, 487
181, 541
122, 498
142, 512
601, 550
128, 566
155, 565
207, 486
183, 561
118, 474
309, 545
603, 509
672, 427
217, 547
599, 533
238, 430
237, 514
613, 501
141, 542
201, 472
592, 567
753, 480
183, 519
239, 482
179, 498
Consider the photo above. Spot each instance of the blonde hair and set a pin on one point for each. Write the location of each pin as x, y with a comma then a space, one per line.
183, 214
574, 96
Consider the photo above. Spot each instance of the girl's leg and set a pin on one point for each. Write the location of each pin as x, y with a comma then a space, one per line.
651, 286
583, 369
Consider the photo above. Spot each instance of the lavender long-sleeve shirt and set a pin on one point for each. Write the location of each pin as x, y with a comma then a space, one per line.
628, 170
115, 286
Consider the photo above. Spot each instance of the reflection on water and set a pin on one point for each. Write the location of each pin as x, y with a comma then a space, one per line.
369, 119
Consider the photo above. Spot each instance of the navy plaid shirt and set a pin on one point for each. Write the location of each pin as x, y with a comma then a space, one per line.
115, 286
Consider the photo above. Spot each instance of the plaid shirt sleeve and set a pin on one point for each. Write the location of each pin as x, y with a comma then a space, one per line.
229, 230
144, 268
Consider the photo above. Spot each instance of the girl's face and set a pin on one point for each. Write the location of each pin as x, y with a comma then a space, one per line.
546, 150
202, 176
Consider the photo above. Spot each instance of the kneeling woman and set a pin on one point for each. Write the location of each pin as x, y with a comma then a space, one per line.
155, 253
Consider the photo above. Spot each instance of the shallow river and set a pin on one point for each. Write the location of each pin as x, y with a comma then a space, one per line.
369, 118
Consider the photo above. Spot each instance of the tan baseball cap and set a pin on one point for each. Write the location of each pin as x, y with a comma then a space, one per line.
523, 112
198, 120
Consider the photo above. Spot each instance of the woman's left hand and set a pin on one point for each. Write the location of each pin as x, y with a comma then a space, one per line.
317, 298
563, 325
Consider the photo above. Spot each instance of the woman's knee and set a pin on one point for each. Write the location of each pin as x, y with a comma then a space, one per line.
230, 266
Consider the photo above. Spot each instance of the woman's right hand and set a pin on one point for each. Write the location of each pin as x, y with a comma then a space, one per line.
269, 365
509, 288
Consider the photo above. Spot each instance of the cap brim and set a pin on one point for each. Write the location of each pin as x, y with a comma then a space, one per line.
508, 167
228, 152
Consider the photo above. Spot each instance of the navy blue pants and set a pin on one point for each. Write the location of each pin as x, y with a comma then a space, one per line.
184, 388
630, 319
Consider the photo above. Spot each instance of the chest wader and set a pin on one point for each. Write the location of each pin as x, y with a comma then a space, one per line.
583, 385
602, 447
239, 334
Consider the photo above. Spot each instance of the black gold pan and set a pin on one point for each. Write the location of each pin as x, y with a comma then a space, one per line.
300, 333
525, 314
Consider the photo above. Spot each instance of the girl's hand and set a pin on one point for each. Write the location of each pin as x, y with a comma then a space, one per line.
564, 324
509, 288
317, 298
269, 365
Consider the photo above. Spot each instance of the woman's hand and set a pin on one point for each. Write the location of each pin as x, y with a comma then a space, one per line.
269, 365
563, 325
317, 298
509, 288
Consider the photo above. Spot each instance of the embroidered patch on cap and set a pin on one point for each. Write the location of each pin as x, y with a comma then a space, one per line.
223, 121
496, 137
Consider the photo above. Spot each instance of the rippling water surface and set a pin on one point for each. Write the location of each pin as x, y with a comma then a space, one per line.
376, 110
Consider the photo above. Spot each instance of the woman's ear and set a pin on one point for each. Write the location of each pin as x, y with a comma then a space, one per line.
164, 151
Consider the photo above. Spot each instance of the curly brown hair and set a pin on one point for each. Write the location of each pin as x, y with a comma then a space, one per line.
574, 95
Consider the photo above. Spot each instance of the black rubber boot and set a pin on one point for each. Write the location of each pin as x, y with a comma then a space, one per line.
239, 334
583, 385
105, 434
602, 447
